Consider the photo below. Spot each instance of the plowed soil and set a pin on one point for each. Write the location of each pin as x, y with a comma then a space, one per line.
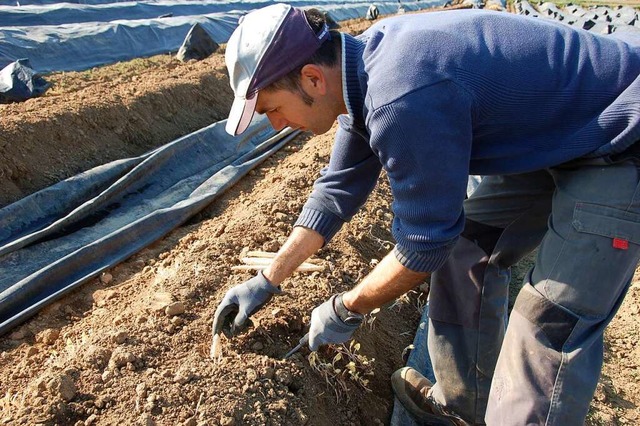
132, 346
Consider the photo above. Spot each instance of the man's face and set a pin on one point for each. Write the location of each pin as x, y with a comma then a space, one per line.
285, 108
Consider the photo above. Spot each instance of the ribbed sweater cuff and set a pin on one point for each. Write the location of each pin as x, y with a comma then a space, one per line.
323, 223
421, 261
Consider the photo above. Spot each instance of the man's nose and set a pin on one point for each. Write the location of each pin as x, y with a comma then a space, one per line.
277, 121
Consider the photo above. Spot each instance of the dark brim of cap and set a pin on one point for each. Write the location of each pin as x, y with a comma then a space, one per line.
240, 115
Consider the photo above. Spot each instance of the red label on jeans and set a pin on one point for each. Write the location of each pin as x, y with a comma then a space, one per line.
620, 244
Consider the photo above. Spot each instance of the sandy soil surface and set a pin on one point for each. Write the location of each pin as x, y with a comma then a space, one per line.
132, 347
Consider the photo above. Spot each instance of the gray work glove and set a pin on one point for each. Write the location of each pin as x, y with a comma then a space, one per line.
331, 322
240, 303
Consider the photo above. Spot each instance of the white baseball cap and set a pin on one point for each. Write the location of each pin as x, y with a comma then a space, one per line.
268, 44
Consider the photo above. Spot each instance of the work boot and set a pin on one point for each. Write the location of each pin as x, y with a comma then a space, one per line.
412, 390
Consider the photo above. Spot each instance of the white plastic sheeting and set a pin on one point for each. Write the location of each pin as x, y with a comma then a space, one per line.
67, 13
74, 47
79, 46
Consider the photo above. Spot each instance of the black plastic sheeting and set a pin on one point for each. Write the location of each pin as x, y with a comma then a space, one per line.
197, 45
62, 236
80, 46
19, 82
622, 22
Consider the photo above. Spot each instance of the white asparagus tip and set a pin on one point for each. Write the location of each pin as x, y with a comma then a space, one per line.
215, 352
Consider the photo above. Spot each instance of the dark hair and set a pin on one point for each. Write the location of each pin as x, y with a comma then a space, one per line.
326, 55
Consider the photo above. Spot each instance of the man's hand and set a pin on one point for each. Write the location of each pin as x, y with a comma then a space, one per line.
240, 303
327, 326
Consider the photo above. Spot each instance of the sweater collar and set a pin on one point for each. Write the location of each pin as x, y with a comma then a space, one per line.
352, 50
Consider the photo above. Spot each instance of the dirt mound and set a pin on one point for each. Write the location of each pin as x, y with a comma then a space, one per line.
132, 347
114, 112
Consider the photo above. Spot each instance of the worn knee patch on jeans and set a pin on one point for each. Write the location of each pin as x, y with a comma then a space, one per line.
540, 377
555, 322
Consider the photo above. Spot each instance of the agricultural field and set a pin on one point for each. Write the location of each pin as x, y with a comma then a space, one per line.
132, 346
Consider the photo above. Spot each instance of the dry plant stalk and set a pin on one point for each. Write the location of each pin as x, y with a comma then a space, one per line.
406, 351
346, 366
370, 318
12, 402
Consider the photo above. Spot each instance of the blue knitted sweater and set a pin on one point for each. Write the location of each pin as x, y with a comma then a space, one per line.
435, 97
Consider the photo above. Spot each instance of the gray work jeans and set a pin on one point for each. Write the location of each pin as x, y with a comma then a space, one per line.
543, 364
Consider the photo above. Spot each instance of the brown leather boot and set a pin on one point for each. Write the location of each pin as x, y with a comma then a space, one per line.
411, 389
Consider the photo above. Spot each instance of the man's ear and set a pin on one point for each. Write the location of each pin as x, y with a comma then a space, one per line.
313, 79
